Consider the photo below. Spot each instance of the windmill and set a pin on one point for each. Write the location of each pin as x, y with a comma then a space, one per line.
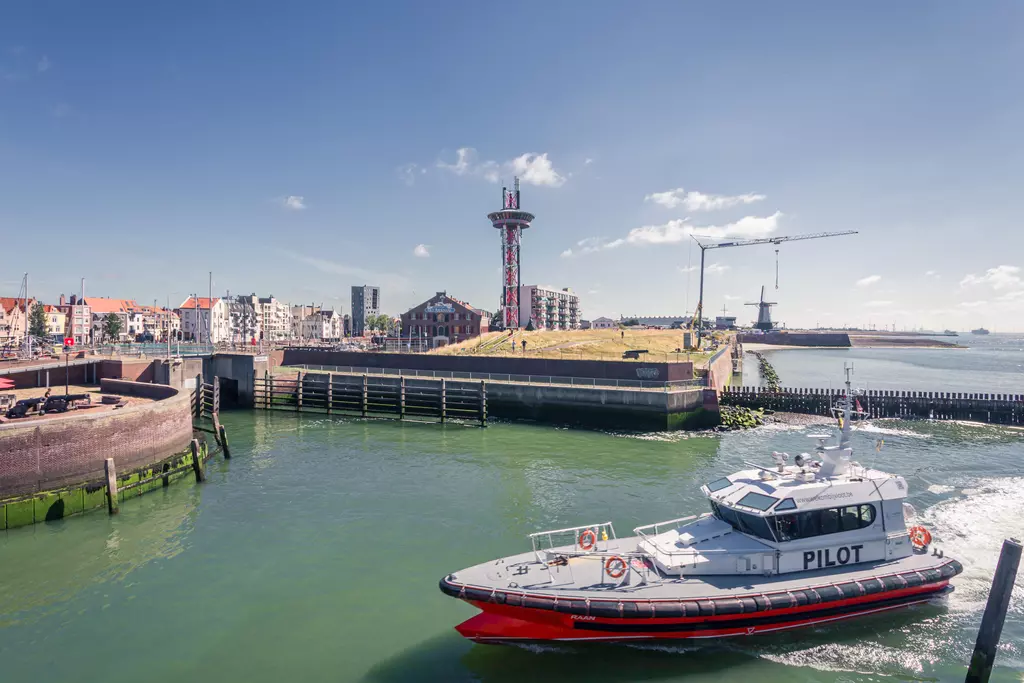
764, 313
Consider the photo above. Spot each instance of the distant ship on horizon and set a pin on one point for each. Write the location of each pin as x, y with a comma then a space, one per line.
950, 333
980, 330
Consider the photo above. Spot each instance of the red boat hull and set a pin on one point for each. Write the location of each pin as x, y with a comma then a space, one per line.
504, 622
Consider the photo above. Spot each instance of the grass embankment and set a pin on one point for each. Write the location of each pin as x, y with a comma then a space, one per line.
661, 345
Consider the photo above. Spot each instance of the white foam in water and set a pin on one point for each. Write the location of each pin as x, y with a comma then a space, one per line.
889, 431
972, 528
941, 488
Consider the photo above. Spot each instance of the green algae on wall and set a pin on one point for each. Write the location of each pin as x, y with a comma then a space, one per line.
59, 503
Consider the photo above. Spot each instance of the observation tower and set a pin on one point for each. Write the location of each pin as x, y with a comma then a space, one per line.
511, 222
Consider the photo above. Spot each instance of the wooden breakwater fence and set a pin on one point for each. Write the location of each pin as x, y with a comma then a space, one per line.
881, 403
418, 398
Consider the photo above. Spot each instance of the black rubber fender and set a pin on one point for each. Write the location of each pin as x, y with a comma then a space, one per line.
872, 586
829, 593
604, 608
539, 602
728, 607
913, 579
669, 610
851, 589
706, 607
781, 600
477, 594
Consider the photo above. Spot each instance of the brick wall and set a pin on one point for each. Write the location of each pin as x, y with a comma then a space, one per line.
47, 454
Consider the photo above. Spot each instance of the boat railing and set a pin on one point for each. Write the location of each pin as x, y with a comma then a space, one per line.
639, 531
544, 541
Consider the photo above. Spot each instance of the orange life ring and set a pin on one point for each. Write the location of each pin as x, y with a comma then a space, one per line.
588, 539
615, 567
920, 537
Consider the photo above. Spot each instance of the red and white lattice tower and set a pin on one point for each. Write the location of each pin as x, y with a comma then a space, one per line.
511, 222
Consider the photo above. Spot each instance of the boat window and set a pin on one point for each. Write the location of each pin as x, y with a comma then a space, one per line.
754, 525
758, 501
867, 515
820, 522
786, 504
719, 484
786, 527
728, 515
829, 521
849, 518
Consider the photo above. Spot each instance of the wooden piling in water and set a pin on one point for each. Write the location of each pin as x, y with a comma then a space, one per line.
364, 396
483, 403
199, 396
198, 466
401, 397
224, 442
330, 392
444, 400
216, 429
995, 613
298, 392
112, 504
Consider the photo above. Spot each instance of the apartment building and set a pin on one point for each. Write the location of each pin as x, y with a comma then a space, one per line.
77, 320
323, 325
99, 308
205, 320
246, 318
56, 321
365, 302
549, 308
275, 318
13, 320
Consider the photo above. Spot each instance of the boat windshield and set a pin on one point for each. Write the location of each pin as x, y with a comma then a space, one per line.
742, 521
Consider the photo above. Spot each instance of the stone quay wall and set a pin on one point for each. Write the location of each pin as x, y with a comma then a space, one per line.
555, 367
42, 455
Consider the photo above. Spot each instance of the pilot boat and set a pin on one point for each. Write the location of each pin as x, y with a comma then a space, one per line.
789, 545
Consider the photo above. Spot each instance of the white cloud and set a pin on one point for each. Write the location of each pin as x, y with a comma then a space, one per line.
698, 201
877, 304
532, 168
687, 269
421, 251
294, 202
588, 161
1011, 296
868, 281
716, 269
536, 169
567, 253
972, 304
1000, 277
593, 291
931, 273
680, 229
731, 297
409, 172
43, 65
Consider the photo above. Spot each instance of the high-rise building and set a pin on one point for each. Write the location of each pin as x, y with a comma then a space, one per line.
365, 302
549, 308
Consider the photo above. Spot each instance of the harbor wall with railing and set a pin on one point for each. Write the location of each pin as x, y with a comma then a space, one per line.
599, 369
939, 405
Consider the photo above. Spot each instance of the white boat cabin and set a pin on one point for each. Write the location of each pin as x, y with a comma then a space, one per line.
818, 514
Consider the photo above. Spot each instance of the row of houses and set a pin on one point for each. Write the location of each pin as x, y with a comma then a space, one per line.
239, 319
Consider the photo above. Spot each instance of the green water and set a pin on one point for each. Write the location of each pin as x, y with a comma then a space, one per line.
314, 555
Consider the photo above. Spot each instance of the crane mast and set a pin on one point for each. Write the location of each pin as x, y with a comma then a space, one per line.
699, 314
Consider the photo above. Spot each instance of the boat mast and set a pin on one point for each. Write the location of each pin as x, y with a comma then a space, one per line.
844, 438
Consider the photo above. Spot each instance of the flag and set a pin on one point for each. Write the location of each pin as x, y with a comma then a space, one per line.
856, 402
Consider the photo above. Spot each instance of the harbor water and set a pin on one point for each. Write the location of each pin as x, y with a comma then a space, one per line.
314, 555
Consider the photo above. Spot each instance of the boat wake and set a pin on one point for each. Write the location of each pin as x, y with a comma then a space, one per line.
971, 527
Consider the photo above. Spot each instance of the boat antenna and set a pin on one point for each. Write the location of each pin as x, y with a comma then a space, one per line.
844, 438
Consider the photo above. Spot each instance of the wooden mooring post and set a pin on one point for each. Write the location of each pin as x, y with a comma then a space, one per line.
483, 403
298, 392
330, 392
401, 397
221, 436
199, 396
198, 466
995, 613
444, 400
365, 387
112, 504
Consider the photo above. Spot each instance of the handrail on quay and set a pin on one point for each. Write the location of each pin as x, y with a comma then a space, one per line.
505, 377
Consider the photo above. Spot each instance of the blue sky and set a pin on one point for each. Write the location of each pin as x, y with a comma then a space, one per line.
301, 149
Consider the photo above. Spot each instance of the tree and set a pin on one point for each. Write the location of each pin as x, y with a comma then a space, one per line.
112, 326
37, 321
632, 322
530, 327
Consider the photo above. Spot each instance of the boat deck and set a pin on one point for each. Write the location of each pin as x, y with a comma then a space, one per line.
583, 576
